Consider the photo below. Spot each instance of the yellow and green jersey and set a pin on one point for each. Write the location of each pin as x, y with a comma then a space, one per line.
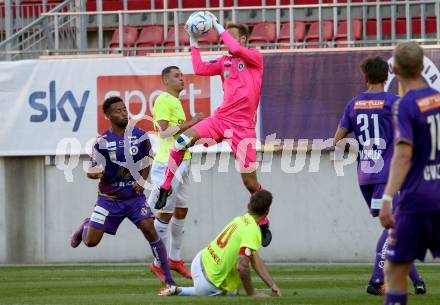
221, 256
168, 108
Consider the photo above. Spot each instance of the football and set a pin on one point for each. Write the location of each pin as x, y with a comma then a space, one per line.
199, 23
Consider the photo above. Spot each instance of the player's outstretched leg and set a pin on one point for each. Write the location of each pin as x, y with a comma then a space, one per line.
160, 255
161, 228
80, 233
416, 279
376, 285
250, 181
159, 251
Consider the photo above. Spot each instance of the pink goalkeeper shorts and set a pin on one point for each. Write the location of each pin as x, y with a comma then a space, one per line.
241, 139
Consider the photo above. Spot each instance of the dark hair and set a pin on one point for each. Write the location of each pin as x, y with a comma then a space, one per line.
260, 202
408, 58
110, 101
242, 29
375, 69
168, 69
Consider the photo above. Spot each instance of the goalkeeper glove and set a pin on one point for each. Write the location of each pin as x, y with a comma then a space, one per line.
217, 26
192, 38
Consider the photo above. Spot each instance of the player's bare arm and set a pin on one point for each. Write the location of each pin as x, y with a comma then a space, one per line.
95, 171
340, 134
245, 274
261, 269
95, 175
400, 165
144, 173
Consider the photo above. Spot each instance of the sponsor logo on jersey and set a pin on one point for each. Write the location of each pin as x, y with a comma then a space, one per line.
429, 102
111, 145
369, 104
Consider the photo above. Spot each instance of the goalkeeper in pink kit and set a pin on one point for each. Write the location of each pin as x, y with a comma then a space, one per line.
241, 75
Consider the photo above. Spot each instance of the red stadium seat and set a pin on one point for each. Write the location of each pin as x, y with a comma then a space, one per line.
302, 2
114, 5
209, 39
139, 5
313, 34
263, 33
430, 25
150, 37
249, 3
400, 26
371, 27
128, 39
170, 40
193, 4
284, 36
171, 4
342, 34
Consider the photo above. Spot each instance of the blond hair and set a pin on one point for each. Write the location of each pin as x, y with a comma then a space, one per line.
408, 59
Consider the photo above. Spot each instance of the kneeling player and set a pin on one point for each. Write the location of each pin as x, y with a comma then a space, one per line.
219, 268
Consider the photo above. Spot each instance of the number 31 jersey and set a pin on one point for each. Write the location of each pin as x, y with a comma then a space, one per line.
369, 116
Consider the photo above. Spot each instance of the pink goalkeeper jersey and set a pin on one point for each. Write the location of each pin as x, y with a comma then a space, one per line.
241, 76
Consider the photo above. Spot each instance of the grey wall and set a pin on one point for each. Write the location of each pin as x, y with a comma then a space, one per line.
315, 216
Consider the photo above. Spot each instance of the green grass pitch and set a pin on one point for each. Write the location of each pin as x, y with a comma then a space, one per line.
133, 284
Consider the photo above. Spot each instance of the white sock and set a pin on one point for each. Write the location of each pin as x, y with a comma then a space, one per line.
177, 230
162, 230
187, 291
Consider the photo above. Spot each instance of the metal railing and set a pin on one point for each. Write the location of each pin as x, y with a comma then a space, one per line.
23, 14
38, 36
375, 13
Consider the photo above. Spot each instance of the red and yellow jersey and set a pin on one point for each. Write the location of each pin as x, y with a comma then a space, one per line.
221, 256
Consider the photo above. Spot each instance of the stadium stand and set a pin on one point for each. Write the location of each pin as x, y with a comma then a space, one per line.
269, 26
